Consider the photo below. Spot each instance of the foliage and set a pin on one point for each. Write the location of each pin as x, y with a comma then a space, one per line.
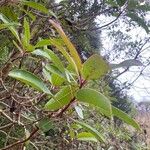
43, 57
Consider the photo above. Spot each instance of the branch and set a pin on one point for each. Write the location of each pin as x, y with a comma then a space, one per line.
108, 23
123, 9
6, 126
21, 142
65, 108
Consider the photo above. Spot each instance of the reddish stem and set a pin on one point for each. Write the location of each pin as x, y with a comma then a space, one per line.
82, 83
65, 108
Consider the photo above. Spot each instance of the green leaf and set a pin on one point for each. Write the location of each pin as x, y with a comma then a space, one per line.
9, 12
11, 28
43, 42
55, 59
42, 53
125, 117
36, 6
62, 49
86, 136
72, 134
57, 77
27, 36
46, 75
141, 22
29, 79
39, 7
62, 98
76, 126
55, 70
72, 50
6, 25
45, 124
95, 67
56, 80
95, 98
50, 55
71, 77
92, 130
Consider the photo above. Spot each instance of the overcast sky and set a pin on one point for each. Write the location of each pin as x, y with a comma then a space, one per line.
140, 90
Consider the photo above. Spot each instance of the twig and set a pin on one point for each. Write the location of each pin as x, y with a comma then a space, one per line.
6, 126
107, 23
9, 118
124, 8
21, 142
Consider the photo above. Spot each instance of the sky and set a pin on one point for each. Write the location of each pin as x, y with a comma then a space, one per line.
140, 91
